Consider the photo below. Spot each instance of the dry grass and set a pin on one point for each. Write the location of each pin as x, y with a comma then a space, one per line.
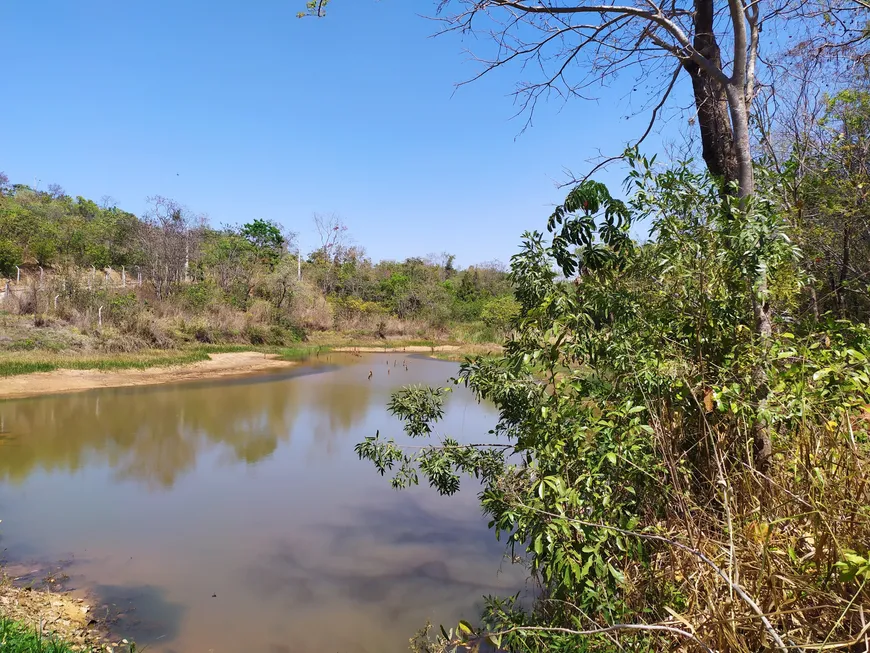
778, 537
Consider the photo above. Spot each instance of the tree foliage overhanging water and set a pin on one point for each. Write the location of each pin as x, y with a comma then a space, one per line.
628, 473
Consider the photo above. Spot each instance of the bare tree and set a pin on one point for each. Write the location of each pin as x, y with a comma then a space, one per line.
108, 202
56, 191
444, 261
819, 139
333, 235
569, 47
169, 237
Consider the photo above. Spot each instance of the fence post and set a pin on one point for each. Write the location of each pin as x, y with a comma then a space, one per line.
123, 277
55, 301
17, 275
41, 271
100, 317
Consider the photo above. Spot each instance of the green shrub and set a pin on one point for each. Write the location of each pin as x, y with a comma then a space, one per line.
255, 334
98, 255
198, 295
44, 251
499, 312
627, 470
10, 256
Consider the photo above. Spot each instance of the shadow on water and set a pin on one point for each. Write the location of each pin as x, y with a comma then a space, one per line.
389, 558
139, 612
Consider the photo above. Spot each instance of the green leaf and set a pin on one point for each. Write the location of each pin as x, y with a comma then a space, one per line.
584, 572
495, 640
618, 575
465, 628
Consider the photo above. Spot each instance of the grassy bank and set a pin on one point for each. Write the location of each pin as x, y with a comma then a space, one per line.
15, 637
14, 363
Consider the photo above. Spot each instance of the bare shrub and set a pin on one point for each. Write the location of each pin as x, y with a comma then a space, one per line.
260, 312
310, 309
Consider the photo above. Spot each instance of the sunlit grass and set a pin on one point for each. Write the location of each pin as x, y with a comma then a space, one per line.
27, 362
468, 350
16, 638
42, 360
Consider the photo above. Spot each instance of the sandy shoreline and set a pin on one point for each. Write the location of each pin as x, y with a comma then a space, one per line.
64, 381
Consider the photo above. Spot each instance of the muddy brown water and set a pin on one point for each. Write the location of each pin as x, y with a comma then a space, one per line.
234, 515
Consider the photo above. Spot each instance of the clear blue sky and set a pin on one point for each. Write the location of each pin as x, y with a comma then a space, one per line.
240, 110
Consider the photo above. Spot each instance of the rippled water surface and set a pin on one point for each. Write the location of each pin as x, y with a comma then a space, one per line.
235, 516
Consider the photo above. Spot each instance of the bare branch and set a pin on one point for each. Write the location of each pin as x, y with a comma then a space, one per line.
738, 589
607, 629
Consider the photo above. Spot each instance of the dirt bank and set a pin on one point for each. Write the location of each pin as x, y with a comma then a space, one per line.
61, 381
53, 614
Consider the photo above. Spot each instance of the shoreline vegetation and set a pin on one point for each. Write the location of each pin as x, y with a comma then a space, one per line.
41, 372
97, 295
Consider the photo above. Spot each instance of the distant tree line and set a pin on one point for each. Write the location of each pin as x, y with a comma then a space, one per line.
183, 259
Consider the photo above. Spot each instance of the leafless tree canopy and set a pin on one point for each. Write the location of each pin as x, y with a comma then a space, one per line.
333, 235
568, 48
169, 237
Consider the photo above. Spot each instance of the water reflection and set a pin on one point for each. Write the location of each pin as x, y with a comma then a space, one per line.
236, 516
155, 436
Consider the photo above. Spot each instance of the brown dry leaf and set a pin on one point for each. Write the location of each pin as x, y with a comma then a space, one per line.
708, 400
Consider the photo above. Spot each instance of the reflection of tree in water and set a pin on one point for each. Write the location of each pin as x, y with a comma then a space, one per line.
339, 406
151, 436
155, 435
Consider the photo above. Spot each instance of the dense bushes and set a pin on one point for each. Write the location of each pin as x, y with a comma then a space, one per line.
627, 472
235, 283
10, 257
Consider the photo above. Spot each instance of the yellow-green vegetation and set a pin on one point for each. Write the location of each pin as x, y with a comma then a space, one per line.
82, 276
12, 363
47, 360
16, 637
674, 476
34, 620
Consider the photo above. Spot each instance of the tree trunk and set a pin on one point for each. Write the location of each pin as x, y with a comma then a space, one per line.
740, 143
723, 119
814, 302
711, 103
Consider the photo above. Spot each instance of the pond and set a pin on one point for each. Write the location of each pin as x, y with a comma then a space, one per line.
235, 516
